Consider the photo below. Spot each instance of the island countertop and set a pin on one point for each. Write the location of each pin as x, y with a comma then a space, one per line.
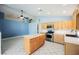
73, 40
32, 36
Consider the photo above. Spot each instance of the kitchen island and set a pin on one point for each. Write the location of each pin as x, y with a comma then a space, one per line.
71, 45
33, 42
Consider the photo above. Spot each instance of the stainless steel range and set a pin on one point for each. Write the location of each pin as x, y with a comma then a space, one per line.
50, 34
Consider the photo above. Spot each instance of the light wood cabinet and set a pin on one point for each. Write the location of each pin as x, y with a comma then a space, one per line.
55, 25
63, 25
59, 38
67, 24
71, 49
77, 22
76, 18
32, 44
43, 26
73, 25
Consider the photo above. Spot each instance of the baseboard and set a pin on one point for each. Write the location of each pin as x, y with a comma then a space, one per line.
13, 37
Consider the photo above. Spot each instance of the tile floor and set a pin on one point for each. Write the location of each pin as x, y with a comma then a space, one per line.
15, 47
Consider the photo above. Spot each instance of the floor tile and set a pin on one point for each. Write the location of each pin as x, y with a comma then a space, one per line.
15, 47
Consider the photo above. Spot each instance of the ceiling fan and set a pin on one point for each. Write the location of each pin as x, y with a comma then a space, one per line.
22, 17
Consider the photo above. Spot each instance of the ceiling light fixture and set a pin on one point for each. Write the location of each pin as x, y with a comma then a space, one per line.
39, 9
48, 13
64, 12
64, 5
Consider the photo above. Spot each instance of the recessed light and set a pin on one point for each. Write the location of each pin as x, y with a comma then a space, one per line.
39, 8
48, 13
64, 12
39, 13
64, 5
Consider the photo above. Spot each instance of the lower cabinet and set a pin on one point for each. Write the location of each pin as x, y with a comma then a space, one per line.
30, 45
71, 49
59, 38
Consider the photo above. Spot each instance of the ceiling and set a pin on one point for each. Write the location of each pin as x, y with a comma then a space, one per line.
45, 9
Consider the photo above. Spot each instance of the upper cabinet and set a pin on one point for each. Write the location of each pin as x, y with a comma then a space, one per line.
65, 25
43, 25
76, 18
77, 22
60, 25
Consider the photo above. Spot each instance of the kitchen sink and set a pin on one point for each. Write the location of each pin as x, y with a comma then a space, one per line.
70, 35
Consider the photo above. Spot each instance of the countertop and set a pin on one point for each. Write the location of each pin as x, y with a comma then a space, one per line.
32, 36
73, 40
62, 32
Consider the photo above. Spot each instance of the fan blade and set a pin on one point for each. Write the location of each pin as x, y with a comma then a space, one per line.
26, 17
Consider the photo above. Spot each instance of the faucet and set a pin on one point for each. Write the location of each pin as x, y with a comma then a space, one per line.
74, 31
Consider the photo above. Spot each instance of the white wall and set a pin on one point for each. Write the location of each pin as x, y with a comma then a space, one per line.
53, 18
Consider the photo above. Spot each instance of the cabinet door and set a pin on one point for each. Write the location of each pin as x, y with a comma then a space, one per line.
55, 27
66, 25
73, 24
63, 25
60, 25
77, 22
44, 26
58, 38
71, 49
33, 45
27, 45
70, 24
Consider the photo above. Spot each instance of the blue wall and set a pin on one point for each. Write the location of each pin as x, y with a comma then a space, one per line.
10, 28
0, 25
32, 28
1, 15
